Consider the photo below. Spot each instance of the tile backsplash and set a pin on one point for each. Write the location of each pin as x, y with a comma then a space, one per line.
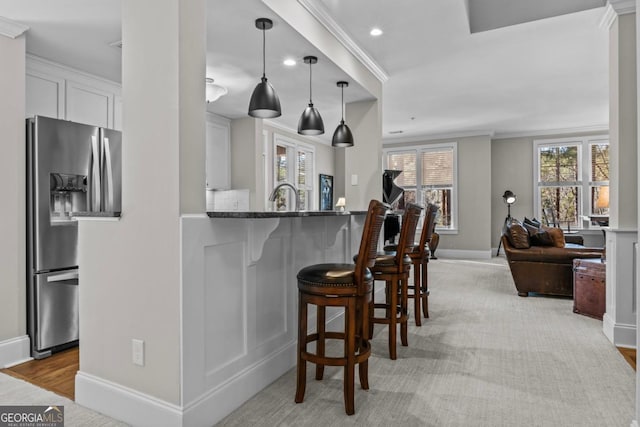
227, 200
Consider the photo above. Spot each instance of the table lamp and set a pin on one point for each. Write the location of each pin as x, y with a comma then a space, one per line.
341, 204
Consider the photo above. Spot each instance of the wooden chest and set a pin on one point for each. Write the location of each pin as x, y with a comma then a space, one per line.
589, 277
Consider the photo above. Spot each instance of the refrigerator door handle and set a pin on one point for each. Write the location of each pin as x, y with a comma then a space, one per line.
108, 184
95, 196
62, 277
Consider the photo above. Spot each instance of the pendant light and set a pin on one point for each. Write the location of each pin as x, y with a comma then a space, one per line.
342, 137
264, 100
310, 122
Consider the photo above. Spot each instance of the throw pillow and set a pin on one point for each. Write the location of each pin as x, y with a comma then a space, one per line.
557, 236
517, 235
533, 222
542, 238
537, 236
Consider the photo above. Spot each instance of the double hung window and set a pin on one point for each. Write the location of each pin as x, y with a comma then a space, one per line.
572, 180
429, 175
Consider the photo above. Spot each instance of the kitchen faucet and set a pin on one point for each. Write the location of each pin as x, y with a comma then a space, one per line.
274, 193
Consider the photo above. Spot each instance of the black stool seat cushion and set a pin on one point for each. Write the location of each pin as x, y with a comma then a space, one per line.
330, 275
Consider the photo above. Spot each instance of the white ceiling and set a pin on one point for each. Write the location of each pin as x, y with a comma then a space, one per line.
545, 75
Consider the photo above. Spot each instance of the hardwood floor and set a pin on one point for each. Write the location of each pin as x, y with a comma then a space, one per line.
56, 373
629, 355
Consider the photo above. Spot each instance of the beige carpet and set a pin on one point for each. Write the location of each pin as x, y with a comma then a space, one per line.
486, 357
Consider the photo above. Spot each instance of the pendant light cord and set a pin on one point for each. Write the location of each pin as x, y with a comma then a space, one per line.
264, 52
342, 102
310, 79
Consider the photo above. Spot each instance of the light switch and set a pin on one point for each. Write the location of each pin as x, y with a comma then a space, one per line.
354, 179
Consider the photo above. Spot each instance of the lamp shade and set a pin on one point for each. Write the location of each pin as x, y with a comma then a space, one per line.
509, 198
264, 102
310, 122
214, 91
342, 136
603, 198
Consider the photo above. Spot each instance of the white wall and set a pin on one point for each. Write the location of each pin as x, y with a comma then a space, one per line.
12, 174
130, 269
364, 159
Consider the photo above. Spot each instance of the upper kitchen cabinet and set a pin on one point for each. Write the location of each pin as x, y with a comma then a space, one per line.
89, 105
56, 91
218, 150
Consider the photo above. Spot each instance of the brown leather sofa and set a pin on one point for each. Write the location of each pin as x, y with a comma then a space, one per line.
542, 269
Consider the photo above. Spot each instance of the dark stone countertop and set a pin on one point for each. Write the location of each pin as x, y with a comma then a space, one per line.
287, 214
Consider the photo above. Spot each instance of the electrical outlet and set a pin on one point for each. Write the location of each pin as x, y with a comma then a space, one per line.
137, 347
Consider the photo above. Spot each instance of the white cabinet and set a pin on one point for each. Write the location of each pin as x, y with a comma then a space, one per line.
89, 105
54, 90
218, 151
44, 95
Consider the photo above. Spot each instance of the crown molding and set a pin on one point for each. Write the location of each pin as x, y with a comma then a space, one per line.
564, 131
622, 7
12, 29
615, 8
438, 136
318, 11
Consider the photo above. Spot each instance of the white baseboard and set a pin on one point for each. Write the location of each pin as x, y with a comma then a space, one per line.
15, 351
216, 404
620, 335
463, 254
125, 404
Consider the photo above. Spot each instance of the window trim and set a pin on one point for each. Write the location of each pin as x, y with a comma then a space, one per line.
418, 149
584, 174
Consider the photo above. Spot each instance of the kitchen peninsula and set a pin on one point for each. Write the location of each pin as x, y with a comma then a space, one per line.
240, 294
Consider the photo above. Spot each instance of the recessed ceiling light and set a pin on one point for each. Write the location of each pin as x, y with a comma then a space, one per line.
375, 32
289, 62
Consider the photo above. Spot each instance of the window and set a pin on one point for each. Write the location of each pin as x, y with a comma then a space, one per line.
428, 175
293, 163
572, 179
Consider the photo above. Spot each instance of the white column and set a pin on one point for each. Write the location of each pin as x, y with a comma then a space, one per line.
130, 282
14, 344
619, 322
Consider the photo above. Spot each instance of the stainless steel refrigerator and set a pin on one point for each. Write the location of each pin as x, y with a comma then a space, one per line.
72, 170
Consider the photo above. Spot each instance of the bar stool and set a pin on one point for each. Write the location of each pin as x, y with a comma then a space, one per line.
419, 256
340, 285
420, 260
394, 268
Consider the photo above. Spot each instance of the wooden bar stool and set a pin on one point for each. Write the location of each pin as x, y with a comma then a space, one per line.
419, 256
394, 268
340, 285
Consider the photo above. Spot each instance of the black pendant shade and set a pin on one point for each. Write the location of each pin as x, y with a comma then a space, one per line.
264, 100
342, 136
310, 122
